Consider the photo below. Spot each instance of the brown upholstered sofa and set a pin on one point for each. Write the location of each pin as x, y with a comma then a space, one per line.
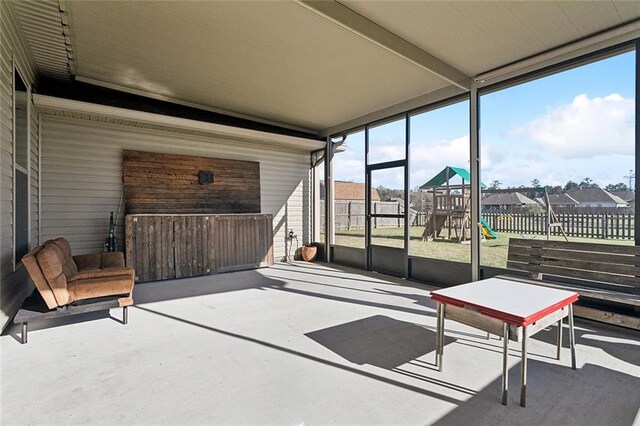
63, 279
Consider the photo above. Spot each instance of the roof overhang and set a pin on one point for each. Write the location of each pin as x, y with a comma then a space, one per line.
320, 67
89, 111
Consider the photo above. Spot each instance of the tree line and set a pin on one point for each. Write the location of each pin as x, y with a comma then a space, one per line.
417, 196
569, 186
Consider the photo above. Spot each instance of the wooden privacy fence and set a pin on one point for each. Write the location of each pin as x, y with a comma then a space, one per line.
604, 226
420, 219
161, 247
350, 214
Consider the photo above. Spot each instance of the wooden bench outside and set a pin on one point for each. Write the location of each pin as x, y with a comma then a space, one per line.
600, 272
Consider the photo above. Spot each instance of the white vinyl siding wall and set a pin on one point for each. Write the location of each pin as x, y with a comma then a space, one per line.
14, 284
82, 177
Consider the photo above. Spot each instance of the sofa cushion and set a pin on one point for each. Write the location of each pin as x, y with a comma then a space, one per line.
31, 264
50, 261
112, 260
87, 261
69, 266
100, 273
100, 287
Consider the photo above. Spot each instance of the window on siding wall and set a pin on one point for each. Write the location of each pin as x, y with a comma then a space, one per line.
21, 167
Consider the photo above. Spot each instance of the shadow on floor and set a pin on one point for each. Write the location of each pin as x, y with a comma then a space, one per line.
378, 340
610, 338
309, 357
591, 395
421, 300
158, 291
341, 274
386, 343
14, 330
352, 300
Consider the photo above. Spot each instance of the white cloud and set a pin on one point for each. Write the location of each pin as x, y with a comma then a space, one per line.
350, 170
587, 127
521, 166
349, 164
438, 154
427, 159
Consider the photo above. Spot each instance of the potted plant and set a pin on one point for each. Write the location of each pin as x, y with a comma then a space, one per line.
309, 252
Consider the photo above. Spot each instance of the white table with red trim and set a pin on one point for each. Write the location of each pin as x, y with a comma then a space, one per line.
511, 309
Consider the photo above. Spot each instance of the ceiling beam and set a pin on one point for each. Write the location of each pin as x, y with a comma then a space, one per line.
369, 30
412, 105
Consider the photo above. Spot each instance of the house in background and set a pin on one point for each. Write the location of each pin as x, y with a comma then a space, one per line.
628, 196
596, 197
349, 191
558, 201
512, 202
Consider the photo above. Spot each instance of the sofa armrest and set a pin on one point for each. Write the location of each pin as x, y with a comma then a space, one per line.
101, 273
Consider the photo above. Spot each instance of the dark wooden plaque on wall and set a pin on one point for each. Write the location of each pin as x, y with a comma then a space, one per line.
170, 183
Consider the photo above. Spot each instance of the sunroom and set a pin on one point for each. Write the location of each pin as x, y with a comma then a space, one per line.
216, 134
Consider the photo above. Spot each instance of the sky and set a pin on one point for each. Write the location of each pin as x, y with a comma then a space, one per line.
568, 126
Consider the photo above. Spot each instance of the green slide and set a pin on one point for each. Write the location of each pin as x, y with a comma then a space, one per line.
488, 233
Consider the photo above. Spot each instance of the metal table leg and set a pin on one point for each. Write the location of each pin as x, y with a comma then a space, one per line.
443, 308
559, 339
523, 372
438, 310
24, 333
505, 362
125, 315
572, 339
444, 317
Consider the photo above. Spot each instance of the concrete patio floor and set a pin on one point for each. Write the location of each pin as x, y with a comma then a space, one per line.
303, 344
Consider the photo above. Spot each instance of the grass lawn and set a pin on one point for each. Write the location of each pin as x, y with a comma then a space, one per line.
493, 252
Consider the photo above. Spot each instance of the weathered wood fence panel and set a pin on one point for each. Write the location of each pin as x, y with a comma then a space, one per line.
243, 242
603, 226
149, 248
350, 214
158, 183
162, 247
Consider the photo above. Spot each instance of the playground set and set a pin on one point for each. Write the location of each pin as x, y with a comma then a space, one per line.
451, 210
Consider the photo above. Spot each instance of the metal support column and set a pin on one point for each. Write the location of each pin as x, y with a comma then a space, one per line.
328, 200
474, 139
407, 197
637, 150
315, 204
367, 201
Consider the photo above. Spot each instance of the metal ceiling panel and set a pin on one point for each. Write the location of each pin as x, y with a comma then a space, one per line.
40, 22
281, 63
273, 60
477, 36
